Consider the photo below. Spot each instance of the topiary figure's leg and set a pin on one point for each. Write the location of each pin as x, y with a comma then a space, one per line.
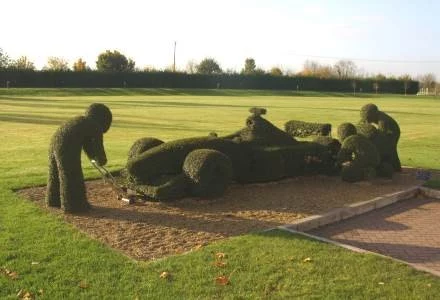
73, 190
53, 184
395, 161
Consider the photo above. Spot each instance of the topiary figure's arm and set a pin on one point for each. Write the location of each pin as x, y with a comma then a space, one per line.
94, 149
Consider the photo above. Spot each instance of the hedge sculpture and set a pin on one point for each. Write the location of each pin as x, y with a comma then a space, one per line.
260, 132
358, 156
209, 172
65, 187
387, 135
305, 129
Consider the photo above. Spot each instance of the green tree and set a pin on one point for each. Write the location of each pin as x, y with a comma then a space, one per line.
249, 66
275, 71
208, 66
56, 64
114, 61
80, 66
4, 59
23, 63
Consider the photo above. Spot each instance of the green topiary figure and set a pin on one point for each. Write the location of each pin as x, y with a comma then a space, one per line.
345, 130
358, 156
260, 132
389, 133
65, 187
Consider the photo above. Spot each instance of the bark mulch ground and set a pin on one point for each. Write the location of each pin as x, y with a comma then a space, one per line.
152, 230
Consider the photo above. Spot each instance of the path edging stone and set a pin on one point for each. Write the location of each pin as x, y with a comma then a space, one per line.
358, 208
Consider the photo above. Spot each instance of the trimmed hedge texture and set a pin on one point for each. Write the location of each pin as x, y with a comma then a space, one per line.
168, 158
65, 186
305, 129
165, 188
260, 132
387, 135
358, 157
345, 130
208, 171
142, 145
95, 79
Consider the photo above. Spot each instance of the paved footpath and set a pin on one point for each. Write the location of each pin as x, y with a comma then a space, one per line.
407, 230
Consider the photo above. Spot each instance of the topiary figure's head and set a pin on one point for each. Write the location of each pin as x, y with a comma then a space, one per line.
370, 113
345, 130
101, 114
257, 111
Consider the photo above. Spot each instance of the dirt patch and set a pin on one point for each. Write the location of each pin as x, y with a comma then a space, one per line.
152, 230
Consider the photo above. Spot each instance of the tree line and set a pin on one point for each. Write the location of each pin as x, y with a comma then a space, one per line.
115, 61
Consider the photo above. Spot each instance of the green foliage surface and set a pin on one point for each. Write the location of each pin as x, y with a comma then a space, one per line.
305, 129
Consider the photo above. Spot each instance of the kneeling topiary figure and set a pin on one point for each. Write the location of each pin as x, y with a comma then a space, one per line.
388, 134
65, 186
358, 156
209, 172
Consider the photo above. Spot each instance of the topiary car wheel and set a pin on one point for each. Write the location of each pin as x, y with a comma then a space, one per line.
142, 145
209, 172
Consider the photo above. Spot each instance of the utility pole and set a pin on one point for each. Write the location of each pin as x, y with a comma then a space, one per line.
174, 64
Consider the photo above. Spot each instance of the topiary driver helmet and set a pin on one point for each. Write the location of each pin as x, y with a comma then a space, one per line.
369, 113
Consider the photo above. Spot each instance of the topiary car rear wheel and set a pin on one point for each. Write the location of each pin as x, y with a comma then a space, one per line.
209, 172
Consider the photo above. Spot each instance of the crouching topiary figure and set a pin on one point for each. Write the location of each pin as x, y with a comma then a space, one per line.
65, 186
358, 156
385, 136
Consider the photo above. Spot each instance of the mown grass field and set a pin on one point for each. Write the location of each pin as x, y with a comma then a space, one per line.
70, 265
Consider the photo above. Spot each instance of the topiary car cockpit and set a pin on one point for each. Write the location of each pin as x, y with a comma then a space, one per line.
205, 166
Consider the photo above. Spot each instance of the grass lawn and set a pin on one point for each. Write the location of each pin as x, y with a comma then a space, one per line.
52, 256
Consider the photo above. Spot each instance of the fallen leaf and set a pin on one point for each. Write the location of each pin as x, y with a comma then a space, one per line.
308, 259
197, 247
11, 274
165, 275
28, 296
222, 280
83, 284
220, 255
220, 264
25, 295
428, 285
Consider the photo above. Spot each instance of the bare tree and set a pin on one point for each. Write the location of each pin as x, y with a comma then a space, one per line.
191, 66
354, 85
376, 87
427, 81
56, 64
345, 69
23, 63
406, 78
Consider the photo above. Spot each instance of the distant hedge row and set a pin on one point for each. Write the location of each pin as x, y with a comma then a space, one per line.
94, 79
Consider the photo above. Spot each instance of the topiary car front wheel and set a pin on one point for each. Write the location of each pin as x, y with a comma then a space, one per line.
209, 172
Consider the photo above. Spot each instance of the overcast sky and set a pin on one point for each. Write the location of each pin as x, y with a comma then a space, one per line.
388, 36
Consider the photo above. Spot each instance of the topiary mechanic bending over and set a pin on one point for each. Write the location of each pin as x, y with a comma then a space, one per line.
65, 186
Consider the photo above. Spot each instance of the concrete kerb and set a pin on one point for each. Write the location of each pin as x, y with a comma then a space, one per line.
351, 210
